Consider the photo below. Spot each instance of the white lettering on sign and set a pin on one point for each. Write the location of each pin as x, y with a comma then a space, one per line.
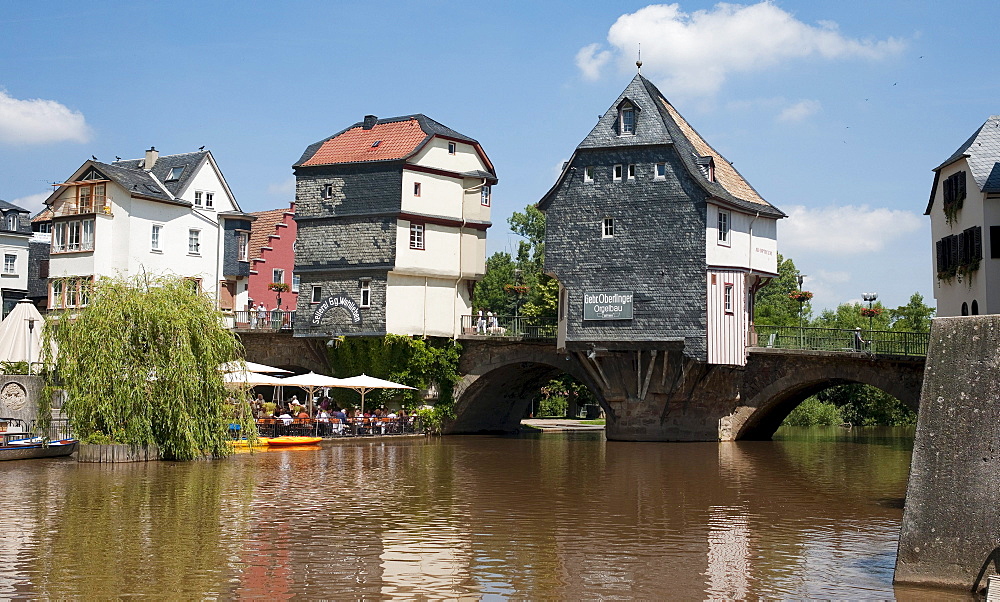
607, 298
342, 301
611, 305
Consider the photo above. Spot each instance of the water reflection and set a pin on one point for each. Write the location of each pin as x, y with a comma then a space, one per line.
551, 516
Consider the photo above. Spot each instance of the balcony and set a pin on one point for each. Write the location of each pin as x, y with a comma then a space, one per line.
83, 206
266, 321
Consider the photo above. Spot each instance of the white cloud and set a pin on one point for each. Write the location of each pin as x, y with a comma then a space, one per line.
557, 169
590, 61
284, 189
695, 52
847, 230
33, 202
39, 121
799, 111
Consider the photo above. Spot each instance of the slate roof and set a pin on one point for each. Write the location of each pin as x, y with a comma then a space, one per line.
658, 122
265, 225
163, 166
5, 207
399, 138
982, 153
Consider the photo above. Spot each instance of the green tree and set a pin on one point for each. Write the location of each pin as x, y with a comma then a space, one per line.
490, 293
772, 305
915, 316
849, 316
139, 366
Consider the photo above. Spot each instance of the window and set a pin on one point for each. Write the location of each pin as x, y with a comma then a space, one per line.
588, 173
87, 242
451, 148
366, 293
197, 198
485, 196
954, 189
317, 294
631, 171
328, 191
154, 238
69, 292
209, 200
975, 307
617, 173
417, 236
609, 228
727, 298
724, 217
175, 173
277, 275
73, 236
416, 189
243, 246
59, 237
628, 121
965, 308
296, 281
194, 242
955, 251
57, 294
9, 264
86, 199
661, 171
12, 221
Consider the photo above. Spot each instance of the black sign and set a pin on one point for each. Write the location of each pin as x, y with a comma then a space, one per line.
342, 301
607, 305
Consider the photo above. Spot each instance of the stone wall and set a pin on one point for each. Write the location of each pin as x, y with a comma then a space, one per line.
20, 395
338, 321
951, 521
657, 252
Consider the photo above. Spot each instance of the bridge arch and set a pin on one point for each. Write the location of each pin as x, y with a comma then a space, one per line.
499, 381
776, 382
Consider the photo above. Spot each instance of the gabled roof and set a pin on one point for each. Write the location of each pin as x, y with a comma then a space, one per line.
5, 207
162, 169
659, 123
265, 225
982, 154
392, 139
139, 182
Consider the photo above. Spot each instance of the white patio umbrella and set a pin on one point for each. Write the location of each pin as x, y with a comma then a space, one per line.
239, 366
245, 377
310, 382
366, 384
21, 334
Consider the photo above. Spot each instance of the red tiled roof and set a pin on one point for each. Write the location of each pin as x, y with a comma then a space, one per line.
43, 216
396, 140
263, 227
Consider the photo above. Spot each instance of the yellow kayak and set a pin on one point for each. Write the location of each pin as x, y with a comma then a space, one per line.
289, 440
260, 442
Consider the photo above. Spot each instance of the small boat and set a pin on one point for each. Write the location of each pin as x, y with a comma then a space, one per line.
290, 440
18, 443
260, 442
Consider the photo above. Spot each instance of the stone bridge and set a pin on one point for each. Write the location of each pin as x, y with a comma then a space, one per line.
648, 394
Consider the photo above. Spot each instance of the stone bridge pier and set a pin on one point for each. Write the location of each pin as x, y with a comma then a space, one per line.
282, 350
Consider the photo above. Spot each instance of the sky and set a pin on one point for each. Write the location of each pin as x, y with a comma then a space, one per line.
835, 111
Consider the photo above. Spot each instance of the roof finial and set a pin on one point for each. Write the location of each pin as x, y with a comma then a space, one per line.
638, 63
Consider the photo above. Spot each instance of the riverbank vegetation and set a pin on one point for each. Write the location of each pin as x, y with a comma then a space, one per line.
139, 366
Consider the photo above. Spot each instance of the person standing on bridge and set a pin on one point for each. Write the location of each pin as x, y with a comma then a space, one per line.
480, 323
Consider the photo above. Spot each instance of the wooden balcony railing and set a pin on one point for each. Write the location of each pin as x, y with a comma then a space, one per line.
92, 204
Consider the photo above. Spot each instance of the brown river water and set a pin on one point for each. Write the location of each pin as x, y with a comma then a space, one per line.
814, 514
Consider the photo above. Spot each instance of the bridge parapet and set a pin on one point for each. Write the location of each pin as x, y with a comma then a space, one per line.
841, 340
509, 328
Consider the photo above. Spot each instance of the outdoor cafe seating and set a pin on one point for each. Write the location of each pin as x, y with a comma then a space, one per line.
333, 427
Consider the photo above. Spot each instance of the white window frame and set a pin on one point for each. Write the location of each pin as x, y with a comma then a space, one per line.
727, 297
194, 242
316, 295
209, 200
588, 174
174, 174
608, 228
622, 129
418, 234
296, 283
242, 246
660, 171
617, 172
365, 292
155, 234
416, 189
87, 235
484, 196
452, 148
197, 198
12, 221
56, 294
327, 191
9, 263
631, 171
59, 237
278, 275
73, 235
724, 224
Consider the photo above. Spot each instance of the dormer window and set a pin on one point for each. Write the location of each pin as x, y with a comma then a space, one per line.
12, 221
175, 173
627, 127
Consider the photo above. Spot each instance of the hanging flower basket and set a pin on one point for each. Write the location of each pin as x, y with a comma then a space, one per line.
800, 296
871, 312
278, 287
518, 289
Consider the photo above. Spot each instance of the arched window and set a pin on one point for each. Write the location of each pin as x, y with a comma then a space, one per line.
965, 308
975, 307
12, 221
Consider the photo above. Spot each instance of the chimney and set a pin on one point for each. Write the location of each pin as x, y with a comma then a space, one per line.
370, 121
151, 156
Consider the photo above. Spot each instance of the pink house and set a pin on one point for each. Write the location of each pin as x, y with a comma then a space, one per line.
272, 258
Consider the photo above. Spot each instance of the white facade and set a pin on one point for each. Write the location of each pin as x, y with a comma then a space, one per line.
14, 269
440, 240
742, 253
165, 233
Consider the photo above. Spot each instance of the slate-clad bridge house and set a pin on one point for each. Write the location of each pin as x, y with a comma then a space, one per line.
655, 237
392, 217
964, 208
173, 214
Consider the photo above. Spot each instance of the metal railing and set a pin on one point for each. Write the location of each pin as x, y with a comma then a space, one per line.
273, 320
332, 427
875, 342
528, 328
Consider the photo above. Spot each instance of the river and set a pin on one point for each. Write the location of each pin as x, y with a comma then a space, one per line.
813, 514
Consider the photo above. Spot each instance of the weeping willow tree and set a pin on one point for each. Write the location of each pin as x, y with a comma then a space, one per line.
139, 365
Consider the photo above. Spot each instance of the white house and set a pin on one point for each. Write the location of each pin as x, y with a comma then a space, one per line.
964, 208
392, 217
15, 232
173, 214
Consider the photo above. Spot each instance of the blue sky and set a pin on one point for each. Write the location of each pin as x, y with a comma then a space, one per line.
835, 111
